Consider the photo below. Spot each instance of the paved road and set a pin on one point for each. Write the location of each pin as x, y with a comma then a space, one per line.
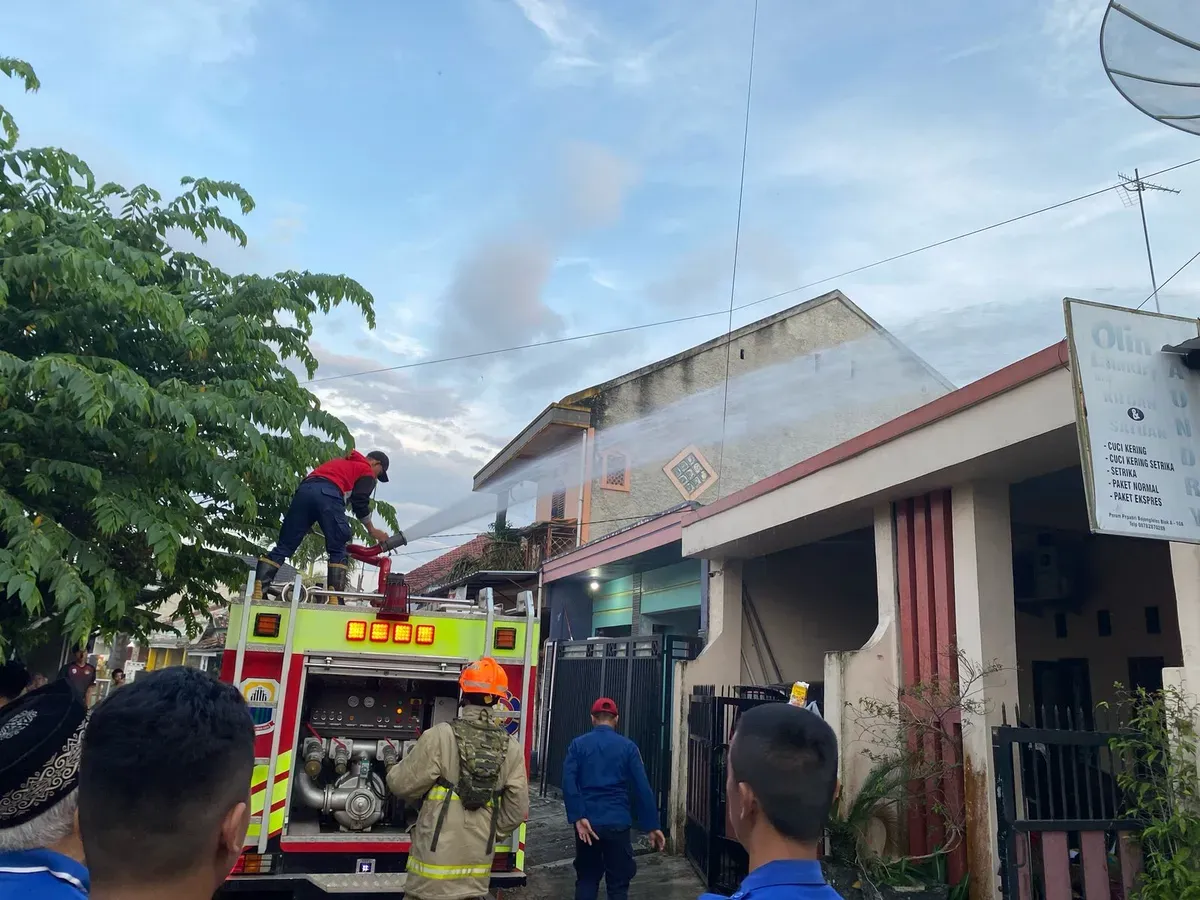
659, 877
550, 850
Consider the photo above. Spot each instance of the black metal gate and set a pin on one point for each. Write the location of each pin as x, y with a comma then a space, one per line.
1060, 811
636, 672
717, 857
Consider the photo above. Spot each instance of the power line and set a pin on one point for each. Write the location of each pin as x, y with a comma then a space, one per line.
737, 240
1159, 288
722, 312
959, 237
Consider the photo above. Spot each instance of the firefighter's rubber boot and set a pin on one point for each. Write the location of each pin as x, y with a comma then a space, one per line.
264, 577
335, 580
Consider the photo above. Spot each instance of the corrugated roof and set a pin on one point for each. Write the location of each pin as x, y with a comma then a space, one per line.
436, 570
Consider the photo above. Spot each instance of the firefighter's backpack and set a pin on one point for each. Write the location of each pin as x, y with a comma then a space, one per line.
482, 749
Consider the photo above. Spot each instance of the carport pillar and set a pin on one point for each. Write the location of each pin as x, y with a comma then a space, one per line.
985, 616
723, 644
1185, 571
719, 664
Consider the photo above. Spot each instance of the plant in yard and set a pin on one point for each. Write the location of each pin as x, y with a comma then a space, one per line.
1157, 774
151, 427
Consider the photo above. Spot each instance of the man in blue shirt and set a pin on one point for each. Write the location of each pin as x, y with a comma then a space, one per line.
600, 769
41, 736
780, 782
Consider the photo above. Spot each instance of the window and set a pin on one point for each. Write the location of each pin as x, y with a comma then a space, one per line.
614, 471
1104, 623
691, 473
558, 503
1153, 620
1060, 625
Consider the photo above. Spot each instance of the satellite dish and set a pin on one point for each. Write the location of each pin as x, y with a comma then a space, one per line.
1151, 52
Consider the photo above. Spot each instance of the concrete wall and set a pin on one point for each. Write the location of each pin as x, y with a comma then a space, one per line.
869, 672
1125, 575
1185, 572
751, 457
812, 600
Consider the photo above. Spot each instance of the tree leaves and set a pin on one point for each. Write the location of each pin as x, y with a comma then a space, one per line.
152, 431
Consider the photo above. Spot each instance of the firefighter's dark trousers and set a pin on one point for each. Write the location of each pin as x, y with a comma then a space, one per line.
321, 502
610, 858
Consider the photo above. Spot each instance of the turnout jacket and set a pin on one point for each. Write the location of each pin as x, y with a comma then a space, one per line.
461, 865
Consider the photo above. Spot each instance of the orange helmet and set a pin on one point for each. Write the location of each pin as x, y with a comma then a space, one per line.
483, 677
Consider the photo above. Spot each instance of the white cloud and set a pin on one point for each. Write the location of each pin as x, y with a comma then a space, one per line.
206, 32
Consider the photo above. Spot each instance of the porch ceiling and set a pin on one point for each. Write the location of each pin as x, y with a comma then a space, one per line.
555, 426
646, 561
1013, 425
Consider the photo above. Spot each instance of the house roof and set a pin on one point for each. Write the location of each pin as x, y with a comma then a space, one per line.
573, 411
214, 641
834, 296
436, 570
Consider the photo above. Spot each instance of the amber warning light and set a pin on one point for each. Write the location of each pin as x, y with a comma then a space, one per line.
266, 625
506, 639
356, 631
424, 634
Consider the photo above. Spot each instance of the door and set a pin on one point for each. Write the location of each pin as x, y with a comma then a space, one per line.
1062, 694
1146, 673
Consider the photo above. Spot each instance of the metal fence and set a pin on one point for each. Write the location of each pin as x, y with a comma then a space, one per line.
636, 672
718, 858
1063, 830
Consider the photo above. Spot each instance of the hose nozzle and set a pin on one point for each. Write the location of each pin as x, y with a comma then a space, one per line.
395, 542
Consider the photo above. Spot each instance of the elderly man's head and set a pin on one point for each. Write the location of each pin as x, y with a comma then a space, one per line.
41, 736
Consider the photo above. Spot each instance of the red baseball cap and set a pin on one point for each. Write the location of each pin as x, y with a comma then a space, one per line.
604, 705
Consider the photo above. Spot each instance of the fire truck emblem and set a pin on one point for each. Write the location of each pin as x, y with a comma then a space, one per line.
262, 696
508, 703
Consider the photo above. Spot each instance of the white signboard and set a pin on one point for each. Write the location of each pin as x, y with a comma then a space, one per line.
1138, 415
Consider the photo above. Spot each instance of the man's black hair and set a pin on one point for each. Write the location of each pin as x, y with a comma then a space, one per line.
788, 757
173, 752
478, 700
14, 678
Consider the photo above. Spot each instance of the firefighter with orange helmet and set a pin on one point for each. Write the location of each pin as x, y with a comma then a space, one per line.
469, 776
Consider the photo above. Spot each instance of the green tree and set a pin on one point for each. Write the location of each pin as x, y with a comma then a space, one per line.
151, 430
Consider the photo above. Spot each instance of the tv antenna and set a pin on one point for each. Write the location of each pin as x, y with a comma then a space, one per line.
1135, 185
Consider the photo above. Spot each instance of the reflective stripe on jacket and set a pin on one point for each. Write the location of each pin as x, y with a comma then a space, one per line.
461, 866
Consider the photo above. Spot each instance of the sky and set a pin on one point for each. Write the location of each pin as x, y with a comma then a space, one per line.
505, 172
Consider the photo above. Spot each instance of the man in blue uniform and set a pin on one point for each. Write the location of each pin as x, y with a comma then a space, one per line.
780, 783
41, 855
600, 769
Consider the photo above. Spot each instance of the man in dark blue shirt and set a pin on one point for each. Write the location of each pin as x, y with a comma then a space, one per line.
780, 783
600, 768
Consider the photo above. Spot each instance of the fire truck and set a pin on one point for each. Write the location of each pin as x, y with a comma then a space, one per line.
339, 693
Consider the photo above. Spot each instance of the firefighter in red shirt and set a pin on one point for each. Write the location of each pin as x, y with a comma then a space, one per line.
322, 498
